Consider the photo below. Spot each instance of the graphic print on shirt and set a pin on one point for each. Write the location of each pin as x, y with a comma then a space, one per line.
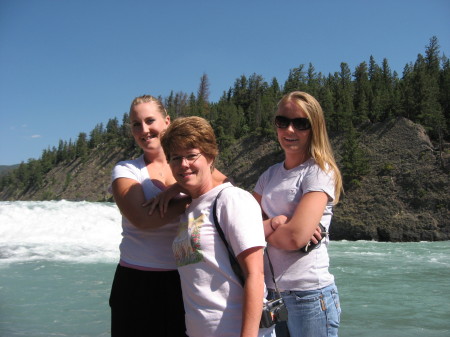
186, 246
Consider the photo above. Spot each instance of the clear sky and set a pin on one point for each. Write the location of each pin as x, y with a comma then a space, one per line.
67, 65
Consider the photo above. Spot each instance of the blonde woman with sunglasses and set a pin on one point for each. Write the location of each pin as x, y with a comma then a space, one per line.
295, 196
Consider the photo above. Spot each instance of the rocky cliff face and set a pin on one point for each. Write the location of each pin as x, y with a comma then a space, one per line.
405, 197
75, 180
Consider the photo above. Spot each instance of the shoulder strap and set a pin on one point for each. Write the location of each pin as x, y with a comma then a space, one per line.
266, 250
233, 260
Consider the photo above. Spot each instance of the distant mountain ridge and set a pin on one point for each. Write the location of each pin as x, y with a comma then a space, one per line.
405, 196
4, 169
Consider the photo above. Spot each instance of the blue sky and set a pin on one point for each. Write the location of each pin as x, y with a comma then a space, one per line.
67, 65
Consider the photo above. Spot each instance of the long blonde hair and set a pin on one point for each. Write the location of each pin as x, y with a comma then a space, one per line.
319, 147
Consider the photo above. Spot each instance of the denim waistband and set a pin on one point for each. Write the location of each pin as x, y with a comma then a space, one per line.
329, 287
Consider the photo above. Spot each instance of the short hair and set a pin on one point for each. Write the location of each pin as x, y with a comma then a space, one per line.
319, 147
148, 99
189, 133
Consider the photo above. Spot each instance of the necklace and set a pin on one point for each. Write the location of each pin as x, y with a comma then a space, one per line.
155, 168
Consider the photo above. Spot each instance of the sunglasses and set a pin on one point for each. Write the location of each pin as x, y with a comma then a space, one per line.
298, 123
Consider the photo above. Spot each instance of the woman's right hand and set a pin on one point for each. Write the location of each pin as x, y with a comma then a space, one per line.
278, 220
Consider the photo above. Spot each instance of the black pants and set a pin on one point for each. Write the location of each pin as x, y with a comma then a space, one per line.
146, 303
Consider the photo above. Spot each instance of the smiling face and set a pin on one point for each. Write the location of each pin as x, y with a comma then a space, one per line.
147, 123
192, 170
293, 141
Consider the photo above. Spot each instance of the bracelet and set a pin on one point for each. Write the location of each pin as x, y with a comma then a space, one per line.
271, 224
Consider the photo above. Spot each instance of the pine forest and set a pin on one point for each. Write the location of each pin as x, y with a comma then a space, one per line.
368, 94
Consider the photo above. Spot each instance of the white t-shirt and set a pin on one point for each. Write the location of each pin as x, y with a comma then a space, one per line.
145, 248
212, 294
281, 191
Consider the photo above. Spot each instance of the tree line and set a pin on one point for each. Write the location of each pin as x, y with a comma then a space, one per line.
371, 93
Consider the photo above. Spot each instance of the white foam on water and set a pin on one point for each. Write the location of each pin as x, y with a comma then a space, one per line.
59, 230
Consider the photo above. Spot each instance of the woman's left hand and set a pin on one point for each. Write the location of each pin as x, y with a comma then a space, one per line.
317, 236
161, 201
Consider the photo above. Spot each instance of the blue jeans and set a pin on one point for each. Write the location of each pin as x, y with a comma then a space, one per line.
312, 313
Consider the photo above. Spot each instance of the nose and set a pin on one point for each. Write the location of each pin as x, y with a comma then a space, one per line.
144, 127
184, 162
290, 127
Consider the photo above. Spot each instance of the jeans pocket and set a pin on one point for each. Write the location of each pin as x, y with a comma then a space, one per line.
307, 305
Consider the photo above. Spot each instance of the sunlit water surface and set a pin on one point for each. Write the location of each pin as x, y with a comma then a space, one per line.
57, 261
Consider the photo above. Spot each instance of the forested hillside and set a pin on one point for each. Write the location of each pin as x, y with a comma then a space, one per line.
369, 102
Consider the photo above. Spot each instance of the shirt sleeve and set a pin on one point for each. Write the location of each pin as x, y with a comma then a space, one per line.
262, 182
239, 215
317, 180
124, 169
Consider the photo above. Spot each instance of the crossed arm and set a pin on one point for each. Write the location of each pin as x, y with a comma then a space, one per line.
295, 232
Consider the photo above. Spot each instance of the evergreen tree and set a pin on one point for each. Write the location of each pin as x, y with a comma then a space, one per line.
61, 152
240, 95
168, 104
375, 78
274, 89
21, 175
386, 91
361, 93
270, 99
325, 99
256, 89
127, 140
180, 105
36, 173
444, 95
344, 97
203, 97
81, 148
426, 92
354, 160
312, 81
48, 159
296, 80
432, 58
329, 93
191, 109
71, 150
230, 119
436, 111
406, 89
96, 136
112, 132
396, 95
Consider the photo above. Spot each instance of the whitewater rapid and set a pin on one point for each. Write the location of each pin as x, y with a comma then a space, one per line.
59, 231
